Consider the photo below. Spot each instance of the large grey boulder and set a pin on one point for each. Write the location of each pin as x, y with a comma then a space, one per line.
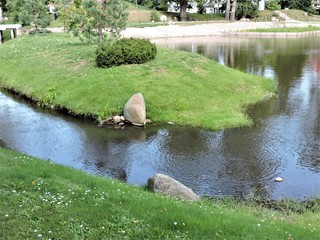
168, 186
135, 110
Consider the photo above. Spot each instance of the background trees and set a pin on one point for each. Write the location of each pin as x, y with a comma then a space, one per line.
94, 21
237, 9
29, 12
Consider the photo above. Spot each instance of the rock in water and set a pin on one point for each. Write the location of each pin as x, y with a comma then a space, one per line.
135, 110
168, 186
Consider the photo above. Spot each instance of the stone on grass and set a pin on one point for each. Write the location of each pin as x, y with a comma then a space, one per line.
166, 185
135, 110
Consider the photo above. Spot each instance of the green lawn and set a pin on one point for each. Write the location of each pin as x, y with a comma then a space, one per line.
42, 200
287, 29
59, 71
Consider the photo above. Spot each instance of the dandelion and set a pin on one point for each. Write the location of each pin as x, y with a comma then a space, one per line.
39, 235
175, 223
258, 225
7, 215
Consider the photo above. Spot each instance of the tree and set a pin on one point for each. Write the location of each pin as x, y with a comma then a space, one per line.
228, 7
3, 4
201, 8
30, 12
95, 21
183, 10
247, 9
233, 10
304, 5
273, 5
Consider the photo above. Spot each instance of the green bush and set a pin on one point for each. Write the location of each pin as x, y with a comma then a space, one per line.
154, 16
273, 5
247, 9
125, 51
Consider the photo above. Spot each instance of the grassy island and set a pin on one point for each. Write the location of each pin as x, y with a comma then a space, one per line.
42, 200
59, 71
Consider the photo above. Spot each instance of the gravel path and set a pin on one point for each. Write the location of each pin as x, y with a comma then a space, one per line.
199, 30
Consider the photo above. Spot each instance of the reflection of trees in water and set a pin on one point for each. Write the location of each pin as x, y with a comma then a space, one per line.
294, 125
186, 142
108, 150
310, 154
216, 162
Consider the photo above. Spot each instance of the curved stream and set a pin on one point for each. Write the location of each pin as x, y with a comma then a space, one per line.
285, 140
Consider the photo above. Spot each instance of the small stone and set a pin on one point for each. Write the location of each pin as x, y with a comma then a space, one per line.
116, 119
279, 179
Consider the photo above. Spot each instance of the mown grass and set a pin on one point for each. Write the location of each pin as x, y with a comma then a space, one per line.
266, 15
42, 200
6, 35
59, 71
300, 15
287, 29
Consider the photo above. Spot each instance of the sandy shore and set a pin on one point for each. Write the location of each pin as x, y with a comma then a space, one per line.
200, 30
207, 29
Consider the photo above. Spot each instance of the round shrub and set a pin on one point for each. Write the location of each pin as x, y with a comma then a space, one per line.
125, 51
273, 5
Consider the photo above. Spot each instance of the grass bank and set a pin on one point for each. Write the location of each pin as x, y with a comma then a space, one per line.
266, 15
59, 71
41, 200
286, 29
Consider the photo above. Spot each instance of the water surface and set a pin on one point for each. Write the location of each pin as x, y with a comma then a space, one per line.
285, 140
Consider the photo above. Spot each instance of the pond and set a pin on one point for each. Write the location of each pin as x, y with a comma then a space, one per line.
284, 141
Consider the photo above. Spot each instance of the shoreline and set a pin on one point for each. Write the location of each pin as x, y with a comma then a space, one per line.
210, 29
213, 29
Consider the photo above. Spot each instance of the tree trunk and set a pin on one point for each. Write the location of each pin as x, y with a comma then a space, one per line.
183, 10
100, 35
227, 15
233, 10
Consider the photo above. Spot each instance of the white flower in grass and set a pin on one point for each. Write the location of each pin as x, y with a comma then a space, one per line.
175, 223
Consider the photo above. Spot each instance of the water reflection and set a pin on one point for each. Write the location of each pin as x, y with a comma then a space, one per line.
284, 141
294, 64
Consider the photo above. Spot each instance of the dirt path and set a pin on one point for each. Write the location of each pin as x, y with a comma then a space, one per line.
200, 30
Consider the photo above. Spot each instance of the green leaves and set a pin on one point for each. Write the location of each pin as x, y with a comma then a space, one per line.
95, 22
30, 12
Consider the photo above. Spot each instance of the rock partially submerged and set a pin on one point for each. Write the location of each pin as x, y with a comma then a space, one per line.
168, 186
134, 113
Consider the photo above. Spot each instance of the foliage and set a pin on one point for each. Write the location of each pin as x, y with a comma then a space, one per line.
125, 51
304, 5
30, 12
95, 21
161, 5
246, 9
273, 5
201, 8
154, 16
